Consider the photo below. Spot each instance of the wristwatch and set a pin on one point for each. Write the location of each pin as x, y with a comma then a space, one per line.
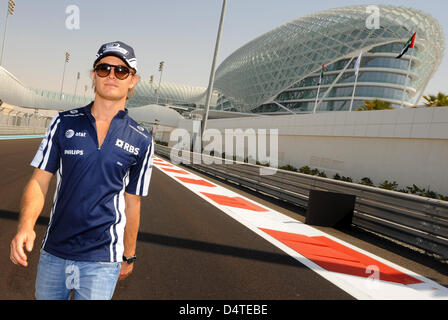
130, 259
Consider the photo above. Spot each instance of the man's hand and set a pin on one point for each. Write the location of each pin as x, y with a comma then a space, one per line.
32, 202
132, 211
22, 239
126, 270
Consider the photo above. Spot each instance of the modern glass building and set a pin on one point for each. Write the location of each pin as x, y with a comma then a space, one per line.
14, 92
181, 97
278, 72
184, 97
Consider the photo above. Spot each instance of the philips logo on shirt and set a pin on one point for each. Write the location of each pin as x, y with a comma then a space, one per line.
127, 147
74, 152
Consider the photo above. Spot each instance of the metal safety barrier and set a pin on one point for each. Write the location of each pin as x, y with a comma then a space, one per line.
410, 219
19, 122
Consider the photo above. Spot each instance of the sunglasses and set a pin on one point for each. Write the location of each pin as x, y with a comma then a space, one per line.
121, 72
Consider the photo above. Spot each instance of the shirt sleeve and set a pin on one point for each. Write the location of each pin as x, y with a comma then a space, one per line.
140, 173
48, 155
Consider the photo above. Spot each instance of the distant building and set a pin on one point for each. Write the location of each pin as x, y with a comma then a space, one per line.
278, 72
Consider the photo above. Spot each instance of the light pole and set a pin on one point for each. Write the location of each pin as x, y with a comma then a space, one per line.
160, 80
11, 5
67, 58
151, 82
76, 85
154, 127
212, 72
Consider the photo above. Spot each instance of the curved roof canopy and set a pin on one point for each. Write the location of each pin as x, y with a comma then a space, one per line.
168, 93
257, 72
152, 114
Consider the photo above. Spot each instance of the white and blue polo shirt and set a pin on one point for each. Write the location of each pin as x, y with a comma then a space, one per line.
87, 219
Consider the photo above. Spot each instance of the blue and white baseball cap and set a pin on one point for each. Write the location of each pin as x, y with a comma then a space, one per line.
120, 50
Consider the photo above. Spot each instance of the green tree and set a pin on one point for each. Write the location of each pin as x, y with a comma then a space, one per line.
436, 101
376, 104
367, 182
389, 185
289, 168
305, 170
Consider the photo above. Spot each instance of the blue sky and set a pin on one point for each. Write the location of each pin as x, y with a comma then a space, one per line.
182, 33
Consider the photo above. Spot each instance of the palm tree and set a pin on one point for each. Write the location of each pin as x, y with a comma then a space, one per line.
436, 101
376, 104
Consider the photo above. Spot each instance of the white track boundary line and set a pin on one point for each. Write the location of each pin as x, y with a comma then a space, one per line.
358, 287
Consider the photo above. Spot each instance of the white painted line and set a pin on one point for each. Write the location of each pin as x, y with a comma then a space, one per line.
359, 287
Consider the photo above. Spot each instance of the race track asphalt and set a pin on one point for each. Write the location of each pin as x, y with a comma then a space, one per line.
187, 249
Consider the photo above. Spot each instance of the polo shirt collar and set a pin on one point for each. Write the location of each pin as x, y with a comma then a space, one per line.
121, 113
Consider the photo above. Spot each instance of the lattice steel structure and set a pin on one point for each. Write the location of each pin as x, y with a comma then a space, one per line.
279, 71
14, 92
169, 93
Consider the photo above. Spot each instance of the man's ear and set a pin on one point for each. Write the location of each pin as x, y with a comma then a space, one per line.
134, 81
93, 76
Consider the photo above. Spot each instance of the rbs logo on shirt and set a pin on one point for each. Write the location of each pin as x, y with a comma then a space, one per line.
127, 147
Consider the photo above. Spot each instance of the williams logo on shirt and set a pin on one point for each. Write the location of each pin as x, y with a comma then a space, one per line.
127, 147
43, 144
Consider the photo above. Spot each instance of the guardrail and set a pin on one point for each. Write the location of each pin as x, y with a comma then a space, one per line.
10, 130
414, 220
14, 121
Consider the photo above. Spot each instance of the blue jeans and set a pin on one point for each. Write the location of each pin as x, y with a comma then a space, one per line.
57, 277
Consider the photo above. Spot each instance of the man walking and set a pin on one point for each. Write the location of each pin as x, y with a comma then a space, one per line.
103, 161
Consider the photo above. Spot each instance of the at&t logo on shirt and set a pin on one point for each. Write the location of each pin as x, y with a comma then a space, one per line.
70, 133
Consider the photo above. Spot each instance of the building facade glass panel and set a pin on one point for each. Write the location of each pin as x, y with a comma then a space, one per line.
283, 66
